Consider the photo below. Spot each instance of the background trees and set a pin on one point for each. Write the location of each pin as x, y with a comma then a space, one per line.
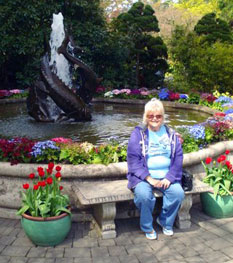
202, 59
198, 7
147, 53
213, 29
226, 10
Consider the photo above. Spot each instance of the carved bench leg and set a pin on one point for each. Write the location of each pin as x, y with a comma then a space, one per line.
183, 218
104, 215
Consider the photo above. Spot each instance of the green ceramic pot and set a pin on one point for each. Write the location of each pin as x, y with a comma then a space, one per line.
46, 231
220, 208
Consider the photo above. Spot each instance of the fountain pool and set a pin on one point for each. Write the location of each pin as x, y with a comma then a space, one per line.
108, 120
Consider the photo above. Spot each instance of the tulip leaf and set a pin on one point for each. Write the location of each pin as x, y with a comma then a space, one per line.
22, 210
44, 209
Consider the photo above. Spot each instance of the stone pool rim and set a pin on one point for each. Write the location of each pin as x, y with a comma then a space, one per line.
167, 104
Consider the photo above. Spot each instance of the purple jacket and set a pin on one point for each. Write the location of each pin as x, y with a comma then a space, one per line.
136, 159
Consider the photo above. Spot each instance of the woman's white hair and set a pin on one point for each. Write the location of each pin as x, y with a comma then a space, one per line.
152, 106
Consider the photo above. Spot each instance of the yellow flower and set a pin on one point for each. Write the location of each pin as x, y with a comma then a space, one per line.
216, 94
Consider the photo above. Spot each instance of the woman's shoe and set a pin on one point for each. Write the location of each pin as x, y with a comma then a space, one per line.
151, 236
167, 232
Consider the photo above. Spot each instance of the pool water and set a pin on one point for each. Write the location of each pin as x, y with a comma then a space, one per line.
108, 120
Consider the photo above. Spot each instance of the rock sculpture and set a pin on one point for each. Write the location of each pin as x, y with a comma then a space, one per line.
51, 100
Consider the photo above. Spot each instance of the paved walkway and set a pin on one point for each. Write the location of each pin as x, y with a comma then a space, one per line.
208, 240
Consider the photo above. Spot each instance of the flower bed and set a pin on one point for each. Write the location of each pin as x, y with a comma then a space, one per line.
217, 128
60, 150
13, 94
222, 102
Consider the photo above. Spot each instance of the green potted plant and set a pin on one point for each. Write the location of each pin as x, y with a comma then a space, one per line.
219, 175
46, 217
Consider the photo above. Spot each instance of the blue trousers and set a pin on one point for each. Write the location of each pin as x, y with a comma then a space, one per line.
145, 202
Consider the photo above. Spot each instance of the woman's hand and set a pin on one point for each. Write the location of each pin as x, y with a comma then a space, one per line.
153, 182
165, 183
179, 137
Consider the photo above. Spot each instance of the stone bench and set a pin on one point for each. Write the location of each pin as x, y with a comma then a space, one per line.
103, 196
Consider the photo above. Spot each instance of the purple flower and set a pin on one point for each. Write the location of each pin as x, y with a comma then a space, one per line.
39, 147
227, 104
164, 94
224, 99
135, 92
4, 93
197, 131
183, 96
229, 111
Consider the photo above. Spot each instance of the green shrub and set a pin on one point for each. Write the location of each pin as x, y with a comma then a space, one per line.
199, 66
87, 153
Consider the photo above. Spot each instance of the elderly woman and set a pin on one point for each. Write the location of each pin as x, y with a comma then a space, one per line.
155, 158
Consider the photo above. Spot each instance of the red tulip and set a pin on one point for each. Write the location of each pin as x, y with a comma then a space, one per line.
58, 175
58, 168
50, 166
229, 165
26, 186
31, 176
223, 157
42, 183
40, 169
208, 160
41, 173
49, 171
35, 187
49, 180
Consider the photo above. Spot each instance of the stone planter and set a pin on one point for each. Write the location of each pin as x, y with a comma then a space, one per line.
49, 231
222, 207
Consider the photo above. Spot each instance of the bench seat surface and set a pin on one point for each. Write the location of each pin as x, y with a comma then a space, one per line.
99, 192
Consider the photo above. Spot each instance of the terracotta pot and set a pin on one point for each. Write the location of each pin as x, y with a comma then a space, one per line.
48, 231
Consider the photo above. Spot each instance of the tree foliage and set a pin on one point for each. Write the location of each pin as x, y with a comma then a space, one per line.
147, 53
213, 29
198, 7
222, 8
113, 8
226, 9
199, 65
170, 16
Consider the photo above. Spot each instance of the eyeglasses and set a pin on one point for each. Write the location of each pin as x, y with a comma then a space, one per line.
152, 116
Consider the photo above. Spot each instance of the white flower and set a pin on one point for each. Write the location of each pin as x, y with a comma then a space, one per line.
108, 94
